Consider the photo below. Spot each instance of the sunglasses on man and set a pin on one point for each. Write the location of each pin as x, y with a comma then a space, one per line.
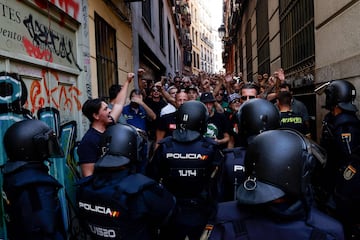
244, 98
235, 101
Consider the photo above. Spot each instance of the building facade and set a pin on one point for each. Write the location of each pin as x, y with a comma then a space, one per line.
195, 36
313, 41
158, 31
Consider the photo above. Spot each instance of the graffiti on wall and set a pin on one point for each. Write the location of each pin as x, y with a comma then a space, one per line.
47, 41
27, 31
36, 52
62, 97
70, 7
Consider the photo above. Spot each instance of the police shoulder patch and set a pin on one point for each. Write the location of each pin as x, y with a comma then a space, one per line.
349, 172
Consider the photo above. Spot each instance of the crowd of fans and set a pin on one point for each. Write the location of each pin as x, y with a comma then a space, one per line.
223, 95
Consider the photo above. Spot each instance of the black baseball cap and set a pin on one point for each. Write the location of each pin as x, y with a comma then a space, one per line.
207, 97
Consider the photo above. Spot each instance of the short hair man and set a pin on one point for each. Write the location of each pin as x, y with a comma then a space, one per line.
100, 117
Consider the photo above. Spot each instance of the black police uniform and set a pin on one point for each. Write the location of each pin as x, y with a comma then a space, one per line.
341, 134
122, 205
115, 203
30, 193
258, 222
31, 203
338, 183
188, 170
275, 201
347, 195
233, 172
341, 180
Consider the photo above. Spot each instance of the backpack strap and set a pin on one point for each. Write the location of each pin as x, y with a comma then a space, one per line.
239, 227
228, 230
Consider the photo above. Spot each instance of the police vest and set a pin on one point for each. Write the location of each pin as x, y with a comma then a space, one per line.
234, 171
187, 168
119, 211
341, 133
340, 136
347, 190
31, 203
234, 222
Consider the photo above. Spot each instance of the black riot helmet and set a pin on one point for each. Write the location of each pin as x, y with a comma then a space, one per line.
341, 93
191, 121
119, 145
31, 141
256, 116
279, 163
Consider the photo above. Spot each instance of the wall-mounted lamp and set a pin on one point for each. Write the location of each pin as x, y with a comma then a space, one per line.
236, 6
221, 31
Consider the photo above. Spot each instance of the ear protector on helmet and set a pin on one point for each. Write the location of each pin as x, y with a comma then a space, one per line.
311, 153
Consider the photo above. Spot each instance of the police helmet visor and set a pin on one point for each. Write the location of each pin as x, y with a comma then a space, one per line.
111, 161
348, 106
48, 144
254, 192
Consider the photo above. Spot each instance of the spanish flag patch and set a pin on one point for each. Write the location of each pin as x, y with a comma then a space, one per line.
349, 172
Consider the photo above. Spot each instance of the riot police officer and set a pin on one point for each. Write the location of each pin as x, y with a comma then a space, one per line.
275, 200
254, 116
340, 136
31, 194
186, 163
115, 203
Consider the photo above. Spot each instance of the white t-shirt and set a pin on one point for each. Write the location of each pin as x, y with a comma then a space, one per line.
169, 108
